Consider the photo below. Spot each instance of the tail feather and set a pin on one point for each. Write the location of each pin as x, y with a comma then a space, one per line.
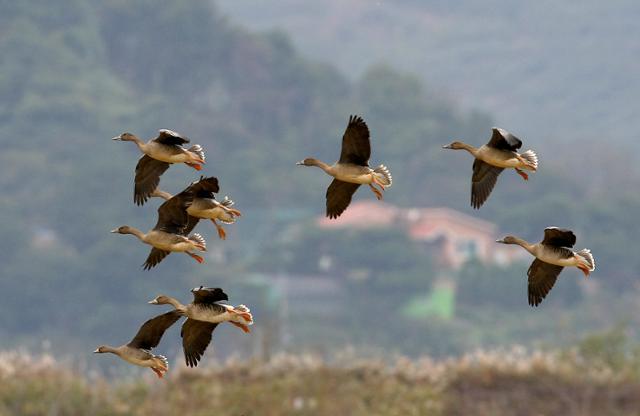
383, 175
197, 238
197, 149
227, 218
245, 313
531, 158
164, 361
226, 202
589, 261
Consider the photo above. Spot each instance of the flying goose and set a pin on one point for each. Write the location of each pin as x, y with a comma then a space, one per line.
159, 153
552, 254
203, 315
491, 159
204, 205
138, 351
169, 233
352, 170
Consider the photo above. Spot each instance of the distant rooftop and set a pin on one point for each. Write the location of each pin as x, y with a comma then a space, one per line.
459, 237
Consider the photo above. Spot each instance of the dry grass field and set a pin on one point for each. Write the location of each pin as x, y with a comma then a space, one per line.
506, 382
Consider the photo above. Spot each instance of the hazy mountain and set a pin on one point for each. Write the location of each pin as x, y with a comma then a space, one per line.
74, 74
547, 70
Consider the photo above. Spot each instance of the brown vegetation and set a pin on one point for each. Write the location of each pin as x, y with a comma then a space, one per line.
496, 383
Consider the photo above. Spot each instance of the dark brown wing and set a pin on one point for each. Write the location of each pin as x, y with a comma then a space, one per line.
208, 295
339, 197
559, 237
502, 139
150, 332
148, 172
205, 187
482, 182
170, 137
191, 224
356, 147
542, 277
196, 336
155, 256
172, 214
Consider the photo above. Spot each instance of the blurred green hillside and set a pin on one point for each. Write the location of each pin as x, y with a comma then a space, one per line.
75, 73
556, 70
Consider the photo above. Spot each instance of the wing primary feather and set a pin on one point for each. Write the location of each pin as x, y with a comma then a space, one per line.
339, 196
151, 331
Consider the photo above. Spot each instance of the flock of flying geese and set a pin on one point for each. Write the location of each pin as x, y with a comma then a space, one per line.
179, 214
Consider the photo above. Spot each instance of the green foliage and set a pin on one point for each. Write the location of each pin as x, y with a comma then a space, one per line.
535, 69
611, 349
74, 74
386, 258
506, 287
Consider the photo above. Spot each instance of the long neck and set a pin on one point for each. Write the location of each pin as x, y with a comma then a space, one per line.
524, 244
176, 304
321, 165
469, 148
112, 350
162, 194
136, 232
141, 145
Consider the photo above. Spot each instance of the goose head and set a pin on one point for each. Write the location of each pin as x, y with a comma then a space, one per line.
507, 240
126, 137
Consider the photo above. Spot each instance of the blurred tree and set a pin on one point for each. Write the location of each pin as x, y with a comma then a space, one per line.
75, 73
506, 287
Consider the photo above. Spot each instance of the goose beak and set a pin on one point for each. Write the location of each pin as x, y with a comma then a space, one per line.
500, 241
97, 351
115, 230
301, 163
116, 138
446, 146
153, 302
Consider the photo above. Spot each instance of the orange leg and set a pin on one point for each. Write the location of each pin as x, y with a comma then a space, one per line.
194, 165
245, 315
221, 232
585, 271
199, 246
235, 212
526, 163
376, 182
195, 257
376, 192
159, 373
244, 327
523, 174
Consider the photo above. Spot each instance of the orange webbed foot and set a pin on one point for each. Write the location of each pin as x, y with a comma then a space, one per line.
377, 193
159, 373
196, 257
245, 328
221, 232
246, 316
523, 174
